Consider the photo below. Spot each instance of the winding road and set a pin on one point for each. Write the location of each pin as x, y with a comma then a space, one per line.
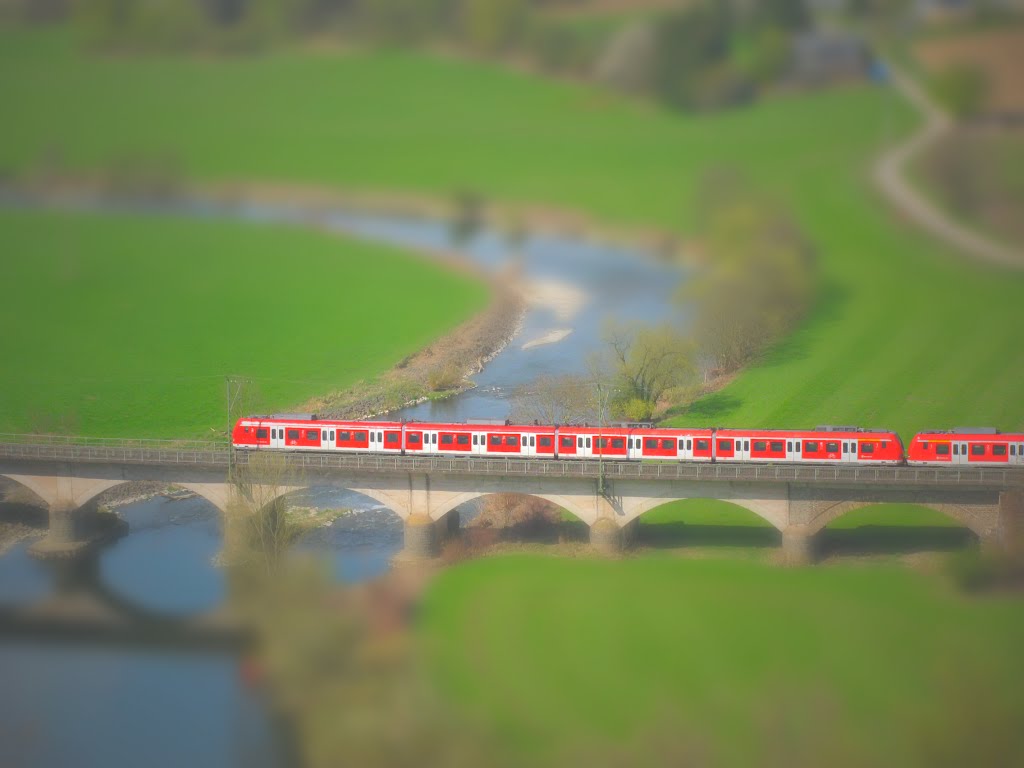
890, 176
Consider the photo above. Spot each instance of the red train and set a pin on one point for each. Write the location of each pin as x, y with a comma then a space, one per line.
823, 445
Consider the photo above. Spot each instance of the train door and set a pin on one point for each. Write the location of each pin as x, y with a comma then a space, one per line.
959, 452
741, 448
277, 437
685, 451
529, 445
849, 454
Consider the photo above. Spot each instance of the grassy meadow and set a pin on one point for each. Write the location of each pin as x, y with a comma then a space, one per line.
906, 335
120, 325
725, 662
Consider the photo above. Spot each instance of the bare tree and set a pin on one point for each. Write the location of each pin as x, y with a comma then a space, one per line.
556, 400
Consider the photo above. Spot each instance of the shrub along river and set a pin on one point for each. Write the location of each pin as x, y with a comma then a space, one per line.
65, 705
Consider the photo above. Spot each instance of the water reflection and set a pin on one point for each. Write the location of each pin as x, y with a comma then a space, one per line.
114, 700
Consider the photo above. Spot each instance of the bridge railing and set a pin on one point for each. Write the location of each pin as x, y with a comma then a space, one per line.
11, 438
217, 454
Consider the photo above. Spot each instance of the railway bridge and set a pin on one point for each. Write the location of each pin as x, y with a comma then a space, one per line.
426, 491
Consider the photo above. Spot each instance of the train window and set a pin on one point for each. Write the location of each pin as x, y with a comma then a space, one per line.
332, 435
462, 439
668, 445
601, 442
475, 440
566, 442
273, 434
447, 439
885, 444
293, 434
977, 449
544, 441
579, 442
312, 434
512, 440
588, 442
956, 449
924, 445
942, 449
323, 435
760, 445
725, 445
414, 439
789, 446
650, 443
533, 440
392, 437
834, 447
344, 436
433, 438
776, 445
998, 450
703, 445
359, 436
811, 446
867, 447
689, 444
618, 442
495, 439
1013, 450
261, 433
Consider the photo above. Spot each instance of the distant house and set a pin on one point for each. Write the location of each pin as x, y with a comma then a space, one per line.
822, 57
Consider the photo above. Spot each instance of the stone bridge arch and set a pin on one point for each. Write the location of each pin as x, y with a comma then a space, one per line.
980, 518
385, 497
567, 503
769, 502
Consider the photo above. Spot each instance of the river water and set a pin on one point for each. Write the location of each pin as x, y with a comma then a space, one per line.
75, 706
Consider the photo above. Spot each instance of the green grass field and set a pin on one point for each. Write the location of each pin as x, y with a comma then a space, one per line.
731, 661
128, 325
906, 335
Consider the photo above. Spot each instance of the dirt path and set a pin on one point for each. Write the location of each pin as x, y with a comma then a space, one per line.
890, 176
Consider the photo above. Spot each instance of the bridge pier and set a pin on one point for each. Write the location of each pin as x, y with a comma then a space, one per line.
422, 541
606, 537
798, 546
73, 532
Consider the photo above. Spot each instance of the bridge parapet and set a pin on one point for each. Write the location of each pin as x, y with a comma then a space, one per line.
165, 453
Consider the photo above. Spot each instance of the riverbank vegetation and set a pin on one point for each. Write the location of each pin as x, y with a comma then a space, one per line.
129, 325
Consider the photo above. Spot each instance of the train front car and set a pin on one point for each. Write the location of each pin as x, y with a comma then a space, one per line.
250, 434
822, 445
967, 446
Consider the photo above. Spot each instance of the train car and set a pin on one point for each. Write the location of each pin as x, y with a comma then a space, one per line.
494, 438
673, 444
967, 446
593, 442
306, 432
823, 445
